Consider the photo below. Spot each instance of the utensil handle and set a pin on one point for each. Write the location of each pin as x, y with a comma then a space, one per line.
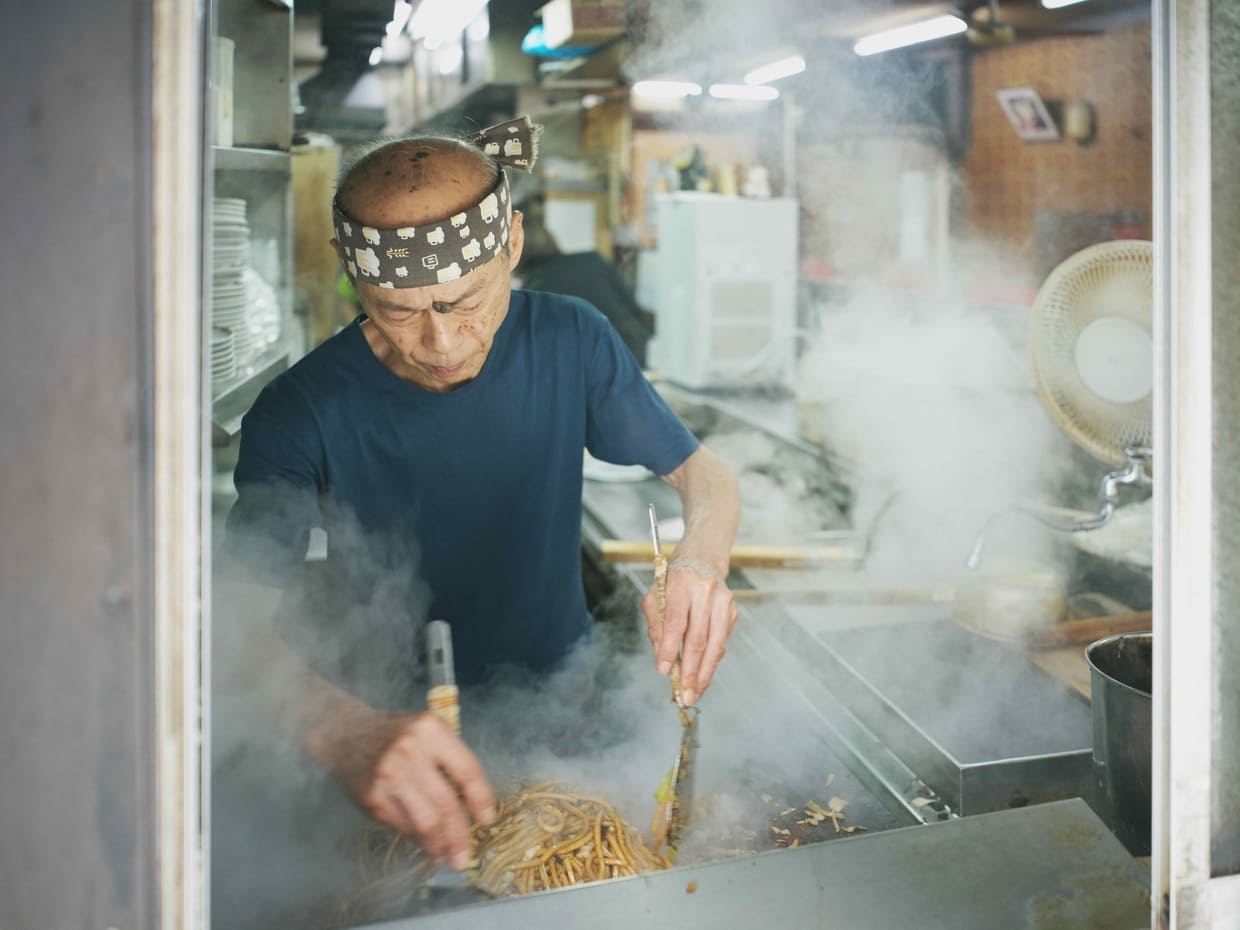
660, 591
844, 595
660, 584
443, 702
1077, 632
616, 551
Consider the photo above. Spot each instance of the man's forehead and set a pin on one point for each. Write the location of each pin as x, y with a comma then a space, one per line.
449, 292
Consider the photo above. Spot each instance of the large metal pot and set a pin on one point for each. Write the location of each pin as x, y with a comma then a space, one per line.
1121, 675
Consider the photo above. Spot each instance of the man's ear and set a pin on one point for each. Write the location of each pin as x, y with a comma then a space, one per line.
516, 239
335, 244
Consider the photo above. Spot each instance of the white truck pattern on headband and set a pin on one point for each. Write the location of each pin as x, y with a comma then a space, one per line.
423, 255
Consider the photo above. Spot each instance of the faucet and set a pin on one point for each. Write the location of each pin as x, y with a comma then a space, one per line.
1136, 472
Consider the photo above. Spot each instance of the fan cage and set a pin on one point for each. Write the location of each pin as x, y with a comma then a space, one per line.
1111, 279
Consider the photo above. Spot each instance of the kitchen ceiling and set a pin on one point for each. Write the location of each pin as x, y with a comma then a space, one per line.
669, 36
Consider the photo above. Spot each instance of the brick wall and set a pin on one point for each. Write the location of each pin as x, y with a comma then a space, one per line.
1007, 180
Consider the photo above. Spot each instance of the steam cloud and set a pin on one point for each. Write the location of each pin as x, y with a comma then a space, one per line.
934, 405
931, 401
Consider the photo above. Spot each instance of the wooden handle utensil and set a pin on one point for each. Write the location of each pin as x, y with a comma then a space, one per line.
442, 699
443, 702
745, 556
1079, 632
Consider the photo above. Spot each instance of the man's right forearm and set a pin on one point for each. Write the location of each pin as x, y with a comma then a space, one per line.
409, 771
307, 707
330, 722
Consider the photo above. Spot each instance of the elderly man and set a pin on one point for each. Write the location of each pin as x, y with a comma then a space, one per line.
447, 423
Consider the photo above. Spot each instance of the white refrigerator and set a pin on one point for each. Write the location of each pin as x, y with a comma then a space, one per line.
722, 283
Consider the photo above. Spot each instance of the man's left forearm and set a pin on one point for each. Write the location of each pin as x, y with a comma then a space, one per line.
700, 611
712, 509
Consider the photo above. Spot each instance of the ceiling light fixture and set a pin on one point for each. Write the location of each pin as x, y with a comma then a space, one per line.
666, 89
438, 21
1056, 4
448, 59
784, 67
400, 17
743, 92
923, 31
479, 29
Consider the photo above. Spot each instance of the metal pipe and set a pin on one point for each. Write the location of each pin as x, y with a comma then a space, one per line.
1136, 473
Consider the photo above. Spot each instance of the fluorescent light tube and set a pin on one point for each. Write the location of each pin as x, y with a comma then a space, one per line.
1056, 4
923, 31
438, 21
785, 67
743, 92
666, 89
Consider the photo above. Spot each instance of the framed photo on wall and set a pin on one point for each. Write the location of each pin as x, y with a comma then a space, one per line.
1027, 114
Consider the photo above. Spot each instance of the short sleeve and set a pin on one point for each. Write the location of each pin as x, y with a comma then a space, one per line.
279, 476
628, 423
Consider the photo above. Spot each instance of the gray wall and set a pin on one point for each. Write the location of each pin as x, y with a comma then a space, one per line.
1225, 161
76, 711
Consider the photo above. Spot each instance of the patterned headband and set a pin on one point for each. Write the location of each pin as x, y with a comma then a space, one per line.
442, 250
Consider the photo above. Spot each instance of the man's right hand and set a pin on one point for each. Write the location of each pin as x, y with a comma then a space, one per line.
409, 771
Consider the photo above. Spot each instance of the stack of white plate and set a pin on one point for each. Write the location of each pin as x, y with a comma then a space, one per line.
223, 357
231, 235
229, 293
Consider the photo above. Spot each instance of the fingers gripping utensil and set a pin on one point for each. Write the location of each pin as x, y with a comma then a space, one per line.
442, 698
675, 794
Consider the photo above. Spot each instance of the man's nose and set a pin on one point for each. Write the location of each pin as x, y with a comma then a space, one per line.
440, 333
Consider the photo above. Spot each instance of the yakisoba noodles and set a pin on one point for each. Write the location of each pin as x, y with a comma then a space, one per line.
544, 836
548, 836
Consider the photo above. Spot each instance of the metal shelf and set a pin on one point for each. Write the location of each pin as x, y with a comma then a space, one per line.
232, 158
230, 406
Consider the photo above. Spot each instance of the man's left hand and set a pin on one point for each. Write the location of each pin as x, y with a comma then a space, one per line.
699, 618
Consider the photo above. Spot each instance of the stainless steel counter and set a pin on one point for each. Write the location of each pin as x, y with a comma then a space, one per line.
987, 870
1049, 867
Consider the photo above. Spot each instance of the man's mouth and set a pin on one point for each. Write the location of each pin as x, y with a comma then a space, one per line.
447, 372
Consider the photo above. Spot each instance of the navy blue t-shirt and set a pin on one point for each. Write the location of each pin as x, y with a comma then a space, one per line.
475, 492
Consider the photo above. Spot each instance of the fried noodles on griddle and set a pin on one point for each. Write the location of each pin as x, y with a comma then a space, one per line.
544, 836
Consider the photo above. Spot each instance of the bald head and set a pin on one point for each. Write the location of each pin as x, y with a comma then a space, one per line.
412, 181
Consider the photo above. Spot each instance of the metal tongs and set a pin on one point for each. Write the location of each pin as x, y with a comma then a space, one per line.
675, 795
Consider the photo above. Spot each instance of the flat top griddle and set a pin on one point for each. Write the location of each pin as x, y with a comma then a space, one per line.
978, 699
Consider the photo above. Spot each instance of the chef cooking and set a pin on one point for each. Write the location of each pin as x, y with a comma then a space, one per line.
448, 420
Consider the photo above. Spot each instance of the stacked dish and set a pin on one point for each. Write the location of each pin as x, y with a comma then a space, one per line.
229, 293
223, 357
